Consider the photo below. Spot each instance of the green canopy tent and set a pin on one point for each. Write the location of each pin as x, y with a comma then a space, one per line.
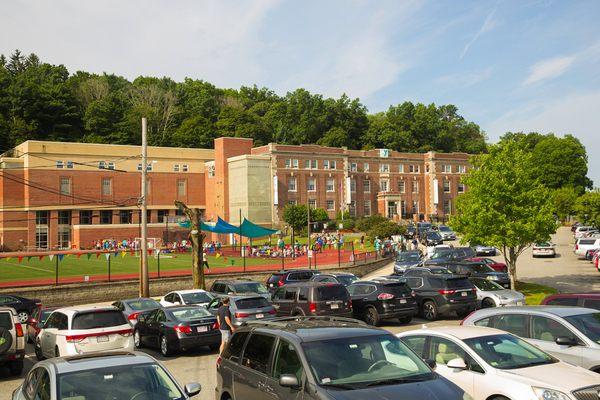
252, 231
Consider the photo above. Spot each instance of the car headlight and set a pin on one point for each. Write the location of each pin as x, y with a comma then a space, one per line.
549, 394
492, 278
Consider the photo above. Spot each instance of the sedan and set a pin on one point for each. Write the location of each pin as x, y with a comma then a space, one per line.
245, 308
447, 233
177, 328
490, 294
132, 308
492, 364
22, 305
196, 297
482, 250
544, 249
407, 259
432, 238
495, 265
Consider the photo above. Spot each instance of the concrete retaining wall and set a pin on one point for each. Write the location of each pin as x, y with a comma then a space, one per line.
82, 293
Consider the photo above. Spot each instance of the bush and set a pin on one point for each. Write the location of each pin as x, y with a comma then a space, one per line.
385, 229
367, 223
348, 223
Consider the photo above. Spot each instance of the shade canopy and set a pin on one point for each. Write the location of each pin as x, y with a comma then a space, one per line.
251, 230
247, 229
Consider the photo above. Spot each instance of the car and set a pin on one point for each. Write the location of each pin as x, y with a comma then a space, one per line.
117, 375
590, 254
543, 249
491, 294
574, 226
312, 298
479, 270
411, 231
278, 279
571, 334
177, 328
584, 244
443, 295
491, 364
225, 287
196, 297
581, 231
452, 254
244, 308
407, 259
77, 330
427, 270
587, 300
132, 308
12, 341
431, 238
490, 262
373, 301
483, 250
23, 305
38, 317
447, 233
324, 358
345, 278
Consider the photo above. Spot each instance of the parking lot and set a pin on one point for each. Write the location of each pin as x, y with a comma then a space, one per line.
565, 272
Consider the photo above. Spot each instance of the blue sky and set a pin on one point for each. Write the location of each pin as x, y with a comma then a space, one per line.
508, 65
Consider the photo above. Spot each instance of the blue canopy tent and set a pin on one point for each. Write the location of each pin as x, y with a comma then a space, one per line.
251, 230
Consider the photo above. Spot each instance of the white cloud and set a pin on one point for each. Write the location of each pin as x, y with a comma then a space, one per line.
548, 69
464, 80
488, 24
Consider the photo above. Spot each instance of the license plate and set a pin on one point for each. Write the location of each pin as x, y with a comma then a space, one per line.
203, 328
260, 315
464, 294
102, 339
335, 306
402, 301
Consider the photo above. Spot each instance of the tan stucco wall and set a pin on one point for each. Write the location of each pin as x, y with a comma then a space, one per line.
250, 188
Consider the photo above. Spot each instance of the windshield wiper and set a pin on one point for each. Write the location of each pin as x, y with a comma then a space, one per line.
390, 381
346, 386
532, 364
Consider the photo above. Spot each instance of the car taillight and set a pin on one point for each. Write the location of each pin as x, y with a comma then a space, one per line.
75, 338
215, 325
126, 333
241, 315
133, 316
183, 329
385, 296
79, 338
446, 291
280, 282
413, 293
19, 330
350, 303
273, 312
576, 246
312, 307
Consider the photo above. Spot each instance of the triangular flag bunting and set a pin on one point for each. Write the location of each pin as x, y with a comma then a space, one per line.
51, 257
89, 255
28, 258
123, 254
20, 258
149, 252
132, 253
8, 258
107, 255
60, 257
97, 255
116, 253
41, 257
218, 255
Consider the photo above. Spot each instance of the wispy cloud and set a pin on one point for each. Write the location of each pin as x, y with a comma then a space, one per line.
488, 24
548, 69
465, 79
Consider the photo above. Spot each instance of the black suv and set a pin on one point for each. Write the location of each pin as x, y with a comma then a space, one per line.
224, 287
427, 270
442, 295
312, 298
324, 358
480, 270
280, 278
373, 301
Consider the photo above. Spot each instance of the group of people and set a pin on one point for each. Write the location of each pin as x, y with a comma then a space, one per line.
112, 244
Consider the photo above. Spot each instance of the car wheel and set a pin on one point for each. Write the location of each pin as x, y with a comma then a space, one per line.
23, 316
16, 367
488, 303
405, 320
56, 352
137, 340
430, 310
38, 350
164, 346
372, 316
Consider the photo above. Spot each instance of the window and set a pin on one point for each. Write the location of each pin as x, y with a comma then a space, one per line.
295, 163
446, 168
310, 164
106, 186
176, 168
416, 344
353, 167
234, 350
70, 164
325, 164
258, 352
106, 216
402, 208
444, 350
85, 217
64, 237
352, 185
411, 168
565, 301
367, 208
330, 185
367, 186
311, 184
415, 207
366, 167
401, 168
461, 188
102, 165
446, 184
461, 169
65, 186
415, 187
292, 202
286, 361
211, 169
548, 330
591, 303
181, 187
162, 215
149, 167
401, 187
312, 203
64, 217
41, 217
384, 168
185, 168
330, 205
384, 185
292, 184
352, 208
125, 216
487, 322
41, 237
447, 207
59, 164
288, 163
111, 165
513, 323
42, 391
332, 164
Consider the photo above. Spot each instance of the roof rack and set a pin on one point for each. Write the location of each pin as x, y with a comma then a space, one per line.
97, 355
285, 322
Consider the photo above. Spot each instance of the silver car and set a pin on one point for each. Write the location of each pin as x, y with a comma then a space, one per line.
447, 233
110, 375
491, 294
245, 308
482, 250
571, 334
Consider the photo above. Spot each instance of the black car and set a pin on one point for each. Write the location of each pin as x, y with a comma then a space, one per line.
22, 305
480, 270
427, 270
443, 295
312, 298
452, 254
324, 358
278, 279
373, 301
432, 238
224, 287
407, 259
177, 328
345, 278
411, 231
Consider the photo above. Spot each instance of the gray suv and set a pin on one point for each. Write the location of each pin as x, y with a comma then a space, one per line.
322, 358
12, 340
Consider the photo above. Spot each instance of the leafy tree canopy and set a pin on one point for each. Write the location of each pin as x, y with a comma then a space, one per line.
588, 208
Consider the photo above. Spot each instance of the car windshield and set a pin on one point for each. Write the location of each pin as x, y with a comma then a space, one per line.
196, 297
439, 271
481, 268
251, 302
250, 287
588, 324
346, 279
433, 235
357, 362
485, 285
98, 319
143, 304
508, 352
441, 255
445, 229
407, 257
124, 382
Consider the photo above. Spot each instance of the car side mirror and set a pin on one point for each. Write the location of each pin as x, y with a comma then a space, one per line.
289, 381
192, 389
431, 362
31, 320
457, 363
565, 341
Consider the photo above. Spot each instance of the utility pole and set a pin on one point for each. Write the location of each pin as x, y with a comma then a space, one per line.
309, 250
144, 283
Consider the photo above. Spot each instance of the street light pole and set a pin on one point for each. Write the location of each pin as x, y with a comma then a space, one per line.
144, 284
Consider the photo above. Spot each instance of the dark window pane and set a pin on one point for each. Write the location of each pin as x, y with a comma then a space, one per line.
258, 351
98, 319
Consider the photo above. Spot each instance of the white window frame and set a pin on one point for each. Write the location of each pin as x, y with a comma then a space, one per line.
415, 187
446, 186
327, 203
70, 164
384, 185
353, 185
184, 168
325, 164
69, 190
366, 167
367, 205
401, 168
288, 163
353, 167
384, 168
175, 167
402, 186
366, 186
314, 185
312, 203
295, 163
327, 187
295, 185
461, 187
461, 169
332, 164
102, 165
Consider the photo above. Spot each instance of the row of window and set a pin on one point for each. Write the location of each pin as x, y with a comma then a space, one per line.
60, 164
107, 186
311, 164
384, 185
64, 217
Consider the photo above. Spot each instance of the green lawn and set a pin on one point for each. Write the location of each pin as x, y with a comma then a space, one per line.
534, 293
71, 266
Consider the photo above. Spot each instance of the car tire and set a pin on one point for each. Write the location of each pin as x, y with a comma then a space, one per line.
137, 340
38, 350
372, 316
405, 320
430, 310
6, 340
298, 313
23, 316
165, 350
488, 303
16, 367
499, 398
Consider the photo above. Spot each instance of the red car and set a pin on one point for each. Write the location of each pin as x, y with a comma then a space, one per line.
496, 266
588, 300
38, 316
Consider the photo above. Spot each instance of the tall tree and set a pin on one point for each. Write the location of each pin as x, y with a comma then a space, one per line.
588, 208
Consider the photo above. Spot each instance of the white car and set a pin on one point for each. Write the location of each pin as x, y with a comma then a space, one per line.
491, 294
492, 364
80, 330
197, 297
581, 231
584, 244
543, 249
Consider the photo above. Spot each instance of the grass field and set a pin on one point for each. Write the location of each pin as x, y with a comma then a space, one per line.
534, 293
71, 266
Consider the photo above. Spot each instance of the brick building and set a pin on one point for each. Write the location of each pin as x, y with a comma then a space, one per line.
59, 195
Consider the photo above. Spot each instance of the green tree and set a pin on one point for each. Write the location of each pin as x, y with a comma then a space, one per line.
588, 208
564, 200
506, 205
385, 229
365, 224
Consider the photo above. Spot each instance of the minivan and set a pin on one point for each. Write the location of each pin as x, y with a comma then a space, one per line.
278, 279
312, 298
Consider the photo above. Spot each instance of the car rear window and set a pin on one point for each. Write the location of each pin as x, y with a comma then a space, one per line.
332, 292
458, 283
6, 320
587, 241
253, 302
397, 289
98, 319
274, 278
145, 304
